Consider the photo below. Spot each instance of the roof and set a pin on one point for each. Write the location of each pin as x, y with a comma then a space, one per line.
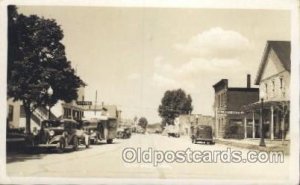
257, 105
110, 109
243, 89
221, 82
282, 50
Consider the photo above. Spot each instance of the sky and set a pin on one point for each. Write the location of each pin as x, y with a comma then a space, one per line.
131, 56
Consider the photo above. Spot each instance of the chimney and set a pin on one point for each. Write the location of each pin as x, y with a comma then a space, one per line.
248, 81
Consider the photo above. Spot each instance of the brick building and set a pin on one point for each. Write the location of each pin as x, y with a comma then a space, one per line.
227, 108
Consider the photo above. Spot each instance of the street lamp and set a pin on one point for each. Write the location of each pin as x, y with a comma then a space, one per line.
262, 136
49, 93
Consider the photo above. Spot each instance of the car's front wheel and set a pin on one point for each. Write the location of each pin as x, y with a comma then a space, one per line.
87, 142
109, 141
193, 140
61, 146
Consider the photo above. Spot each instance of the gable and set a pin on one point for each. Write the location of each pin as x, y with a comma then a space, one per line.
273, 65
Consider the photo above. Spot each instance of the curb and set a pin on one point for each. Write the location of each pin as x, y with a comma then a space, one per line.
279, 148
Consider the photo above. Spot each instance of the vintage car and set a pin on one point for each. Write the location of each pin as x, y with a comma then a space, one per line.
58, 134
101, 129
202, 133
123, 133
173, 131
91, 128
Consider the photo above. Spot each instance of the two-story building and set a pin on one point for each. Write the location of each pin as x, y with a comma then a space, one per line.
16, 117
227, 108
273, 78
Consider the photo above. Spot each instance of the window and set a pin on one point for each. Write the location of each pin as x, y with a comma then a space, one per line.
266, 91
10, 113
281, 82
224, 99
273, 86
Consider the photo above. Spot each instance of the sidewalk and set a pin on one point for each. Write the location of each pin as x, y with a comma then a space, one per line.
253, 144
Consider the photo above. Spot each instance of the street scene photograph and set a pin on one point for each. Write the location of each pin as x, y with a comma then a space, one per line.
149, 93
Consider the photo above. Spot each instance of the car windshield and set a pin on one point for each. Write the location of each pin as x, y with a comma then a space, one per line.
204, 127
47, 124
90, 123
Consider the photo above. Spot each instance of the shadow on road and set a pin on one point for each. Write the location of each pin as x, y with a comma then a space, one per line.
21, 155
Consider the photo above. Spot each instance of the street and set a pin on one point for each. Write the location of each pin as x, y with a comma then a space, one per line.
105, 161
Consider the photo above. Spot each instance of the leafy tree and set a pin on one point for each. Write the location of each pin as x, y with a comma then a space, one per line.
143, 122
37, 61
174, 103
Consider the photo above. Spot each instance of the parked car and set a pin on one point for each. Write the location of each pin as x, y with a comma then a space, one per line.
58, 134
101, 129
202, 133
173, 131
123, 133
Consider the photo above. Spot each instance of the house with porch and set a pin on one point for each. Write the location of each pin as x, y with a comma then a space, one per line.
273, 106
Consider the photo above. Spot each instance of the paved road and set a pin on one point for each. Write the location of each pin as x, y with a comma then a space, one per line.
105, 161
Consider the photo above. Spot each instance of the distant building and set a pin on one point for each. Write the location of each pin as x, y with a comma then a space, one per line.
228, 108
185, 122
111, 111
273, 78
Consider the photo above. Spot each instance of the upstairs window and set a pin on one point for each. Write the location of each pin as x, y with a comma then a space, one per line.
281, 82
273, 88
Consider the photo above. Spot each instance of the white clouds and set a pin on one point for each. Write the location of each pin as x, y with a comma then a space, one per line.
188, 74
163, 81
213, 53
215, 42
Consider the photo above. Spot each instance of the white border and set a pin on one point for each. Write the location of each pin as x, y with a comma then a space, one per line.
292, 5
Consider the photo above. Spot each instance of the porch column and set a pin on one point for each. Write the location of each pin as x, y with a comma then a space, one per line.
245, 127
272, 123
253, 124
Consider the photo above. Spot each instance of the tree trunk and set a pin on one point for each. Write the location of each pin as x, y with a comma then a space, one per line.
28, 118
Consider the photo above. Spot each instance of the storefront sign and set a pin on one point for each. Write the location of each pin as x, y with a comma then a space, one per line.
84, 103
230, 112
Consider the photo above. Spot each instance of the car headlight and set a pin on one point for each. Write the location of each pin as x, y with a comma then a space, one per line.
51, 133
92, 131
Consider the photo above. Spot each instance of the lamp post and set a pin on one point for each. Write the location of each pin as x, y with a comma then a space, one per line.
49, 93
262, 136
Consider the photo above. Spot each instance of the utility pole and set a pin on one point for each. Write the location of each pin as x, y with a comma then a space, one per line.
95, 103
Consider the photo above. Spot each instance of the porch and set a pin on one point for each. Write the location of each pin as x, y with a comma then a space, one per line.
273, 117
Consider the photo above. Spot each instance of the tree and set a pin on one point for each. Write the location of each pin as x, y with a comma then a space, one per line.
143, 122
174, 103
37, 61
284, 109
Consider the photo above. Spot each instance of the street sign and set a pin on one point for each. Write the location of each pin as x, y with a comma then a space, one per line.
84, 103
